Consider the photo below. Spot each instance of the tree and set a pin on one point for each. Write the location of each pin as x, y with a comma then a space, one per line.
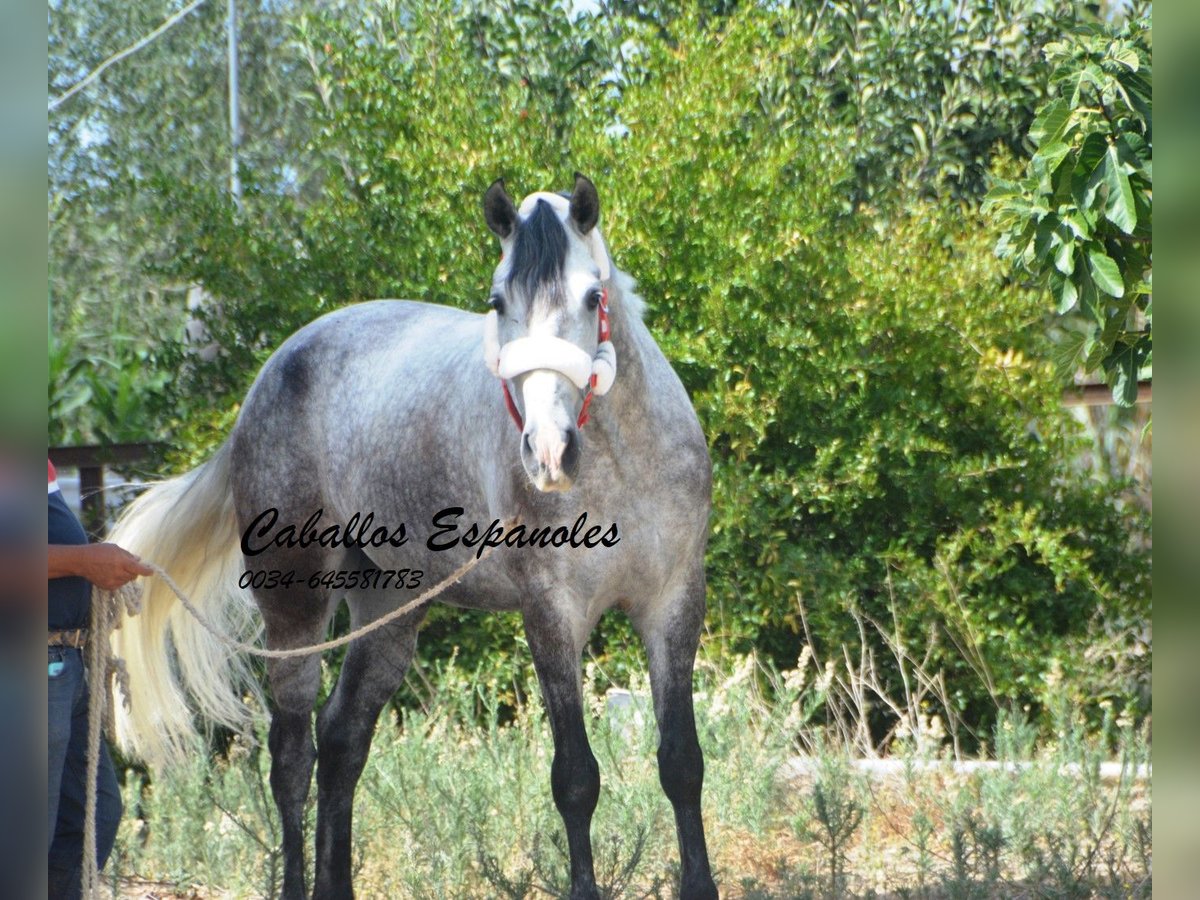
931, 91
1079, 220
157, 117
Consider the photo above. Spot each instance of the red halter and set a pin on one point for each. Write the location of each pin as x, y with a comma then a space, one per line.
605, 333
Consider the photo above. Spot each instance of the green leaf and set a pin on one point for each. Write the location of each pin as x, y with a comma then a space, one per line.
1125, 385
1078, 224
1103, 352
1077, 81
1067, 352
1135, 156
1046, 161
922, 141
1133, 149
1064, 256
1091, 151
1089, 299
1127, 57
1140, 94
1002, 195
1118, 207
1098, 353
1105, 273
1087, 178
1050, 124
1044, 242
1066, 293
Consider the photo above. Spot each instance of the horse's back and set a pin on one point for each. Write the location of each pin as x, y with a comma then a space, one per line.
345, 385
367, 334
387, 407
348, 351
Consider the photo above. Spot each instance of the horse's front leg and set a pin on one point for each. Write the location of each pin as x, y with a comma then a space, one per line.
574, 774
671, 631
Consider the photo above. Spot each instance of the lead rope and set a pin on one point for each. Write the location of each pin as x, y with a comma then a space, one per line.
104, 667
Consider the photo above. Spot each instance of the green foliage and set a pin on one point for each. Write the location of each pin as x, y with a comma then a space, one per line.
929, 91
835, 813
1079, 221
124, 396
159, 116
878, 399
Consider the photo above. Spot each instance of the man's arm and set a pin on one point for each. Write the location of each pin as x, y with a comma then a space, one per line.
105, 565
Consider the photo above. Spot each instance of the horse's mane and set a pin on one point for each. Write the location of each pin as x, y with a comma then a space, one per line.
539, 257
627, 296
540, 251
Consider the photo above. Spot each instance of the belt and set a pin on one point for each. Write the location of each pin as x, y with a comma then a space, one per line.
76, 637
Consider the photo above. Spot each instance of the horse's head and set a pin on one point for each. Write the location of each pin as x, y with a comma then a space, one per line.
548, 335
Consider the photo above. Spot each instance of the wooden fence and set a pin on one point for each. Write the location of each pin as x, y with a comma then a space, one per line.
91, 461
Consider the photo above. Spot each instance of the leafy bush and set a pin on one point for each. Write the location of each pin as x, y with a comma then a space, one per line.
928, 92
123, 396
878, 397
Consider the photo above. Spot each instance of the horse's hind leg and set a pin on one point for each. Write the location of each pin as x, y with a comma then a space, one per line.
292, 757
293, 620
671, 632
372, 671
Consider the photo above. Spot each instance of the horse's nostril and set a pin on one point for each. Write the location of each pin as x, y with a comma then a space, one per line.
570, 456
526, 443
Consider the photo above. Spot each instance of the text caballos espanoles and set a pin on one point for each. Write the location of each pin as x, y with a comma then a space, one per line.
360, 530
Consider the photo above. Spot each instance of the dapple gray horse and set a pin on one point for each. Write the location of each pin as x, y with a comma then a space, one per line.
394, 408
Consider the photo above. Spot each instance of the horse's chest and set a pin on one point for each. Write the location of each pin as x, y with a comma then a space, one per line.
642, 560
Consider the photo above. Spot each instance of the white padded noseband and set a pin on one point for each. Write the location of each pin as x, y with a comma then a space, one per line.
545, 352
529, 353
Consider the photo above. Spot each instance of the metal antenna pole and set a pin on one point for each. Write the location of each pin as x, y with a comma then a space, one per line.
235, 135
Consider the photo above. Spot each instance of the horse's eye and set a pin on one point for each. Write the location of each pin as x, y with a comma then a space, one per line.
496, 302
593, 299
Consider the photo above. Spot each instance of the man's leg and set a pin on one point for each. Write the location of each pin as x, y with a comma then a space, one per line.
64, 675
66, 848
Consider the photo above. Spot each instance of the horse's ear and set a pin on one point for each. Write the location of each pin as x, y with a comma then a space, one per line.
585, 204
498, 210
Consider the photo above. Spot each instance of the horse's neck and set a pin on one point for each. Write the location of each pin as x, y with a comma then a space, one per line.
635, 351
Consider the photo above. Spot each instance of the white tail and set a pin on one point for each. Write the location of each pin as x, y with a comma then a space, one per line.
176, 668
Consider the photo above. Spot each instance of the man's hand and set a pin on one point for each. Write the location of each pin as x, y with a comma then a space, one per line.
105, 565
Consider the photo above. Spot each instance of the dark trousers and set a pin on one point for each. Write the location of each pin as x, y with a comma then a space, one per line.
67, 748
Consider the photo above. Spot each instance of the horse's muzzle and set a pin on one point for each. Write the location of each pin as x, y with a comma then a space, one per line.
551, 456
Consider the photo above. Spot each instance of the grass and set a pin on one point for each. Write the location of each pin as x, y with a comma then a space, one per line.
455, 802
